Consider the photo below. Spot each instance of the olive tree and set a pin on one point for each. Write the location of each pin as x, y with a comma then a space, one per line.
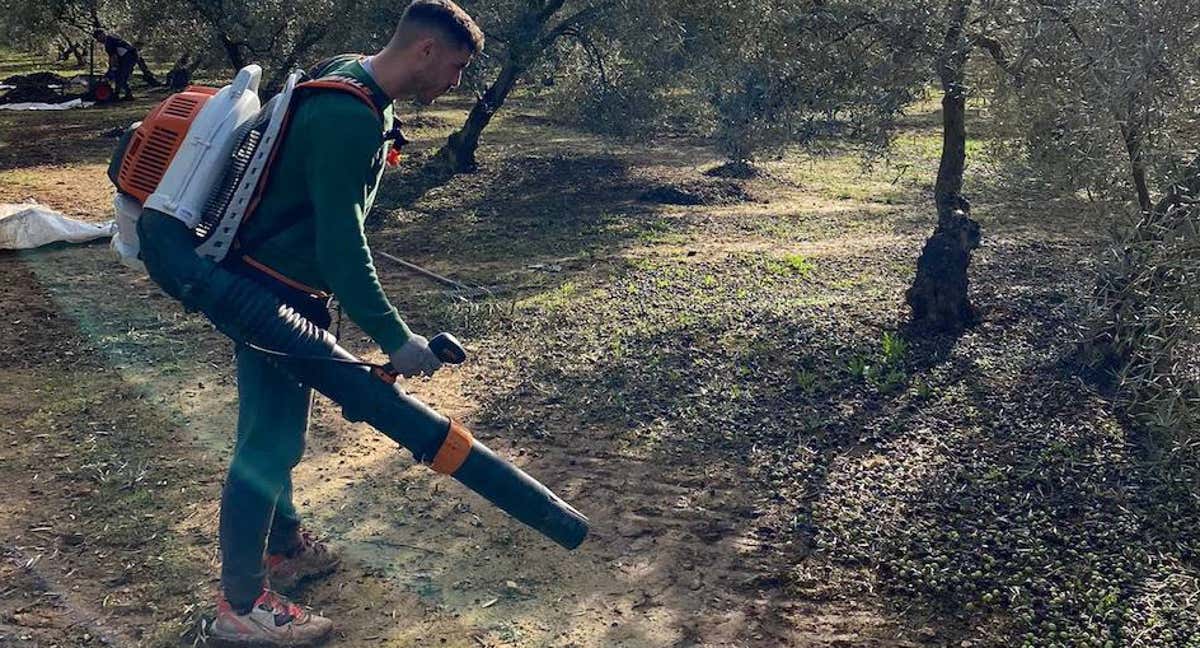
280, 36
801, 73
1123, 100
1104, 98
521, 35
1108, 101
65, 26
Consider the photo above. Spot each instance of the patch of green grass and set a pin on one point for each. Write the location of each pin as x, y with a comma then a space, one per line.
850, 283
552, 300
902, 268
777, 228
891, 380
647, 264
18, 177
885, 370
616, 346
808, 381
684, 320
815, 299
12, 63
922, 389
791, 265
660, 232
892, 196
858, 367
895, 348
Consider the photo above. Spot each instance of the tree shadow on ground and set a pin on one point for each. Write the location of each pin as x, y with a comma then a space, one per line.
987, 495
1046, 520
688, 402
1033, 516
534, 206
656, 446
1015, 506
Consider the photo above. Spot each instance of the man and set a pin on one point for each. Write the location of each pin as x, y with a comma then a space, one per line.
305, 241
122, 57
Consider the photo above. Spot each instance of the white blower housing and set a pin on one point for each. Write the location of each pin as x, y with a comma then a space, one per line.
201, 160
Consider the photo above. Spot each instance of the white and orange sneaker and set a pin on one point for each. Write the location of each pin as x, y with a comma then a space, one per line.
273, 621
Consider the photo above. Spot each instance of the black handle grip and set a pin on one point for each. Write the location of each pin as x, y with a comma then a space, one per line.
448, 349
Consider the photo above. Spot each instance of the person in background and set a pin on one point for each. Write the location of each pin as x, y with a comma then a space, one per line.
122, 58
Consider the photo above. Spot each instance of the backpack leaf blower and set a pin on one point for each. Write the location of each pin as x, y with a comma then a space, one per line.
187, 176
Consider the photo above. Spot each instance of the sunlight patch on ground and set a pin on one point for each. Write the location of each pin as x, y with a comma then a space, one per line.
80, 191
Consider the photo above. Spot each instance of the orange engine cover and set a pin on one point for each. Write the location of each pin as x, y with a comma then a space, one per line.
156, 141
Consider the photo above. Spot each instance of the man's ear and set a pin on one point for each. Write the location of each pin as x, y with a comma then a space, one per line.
426, 47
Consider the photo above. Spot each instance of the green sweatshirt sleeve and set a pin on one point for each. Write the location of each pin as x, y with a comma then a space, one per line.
344, 138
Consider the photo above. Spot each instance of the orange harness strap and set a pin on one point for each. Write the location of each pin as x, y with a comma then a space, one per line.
343, 84
278, 276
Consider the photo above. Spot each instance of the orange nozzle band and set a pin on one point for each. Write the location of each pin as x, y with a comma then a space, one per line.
454, 450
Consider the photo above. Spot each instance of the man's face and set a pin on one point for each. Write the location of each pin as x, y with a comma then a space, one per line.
442, 72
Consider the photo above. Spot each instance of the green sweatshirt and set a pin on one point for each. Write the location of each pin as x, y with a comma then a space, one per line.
317, 197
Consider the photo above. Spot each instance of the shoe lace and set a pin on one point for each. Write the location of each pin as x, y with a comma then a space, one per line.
309, 542
283, 609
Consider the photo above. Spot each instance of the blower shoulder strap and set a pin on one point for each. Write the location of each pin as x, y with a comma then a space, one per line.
347, 84
334, 82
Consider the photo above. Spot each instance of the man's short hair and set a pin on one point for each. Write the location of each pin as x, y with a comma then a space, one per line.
98, 33
447, 18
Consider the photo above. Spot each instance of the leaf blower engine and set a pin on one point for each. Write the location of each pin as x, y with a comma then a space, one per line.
199, 157
187, 177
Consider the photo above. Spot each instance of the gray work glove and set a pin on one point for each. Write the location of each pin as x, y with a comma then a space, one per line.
415, 358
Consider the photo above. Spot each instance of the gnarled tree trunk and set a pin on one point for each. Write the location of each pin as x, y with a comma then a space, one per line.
457, 155
234, 51
68, 47
1131, 135
939, 296
531, 37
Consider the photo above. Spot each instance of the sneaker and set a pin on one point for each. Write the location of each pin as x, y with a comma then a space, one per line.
310, 559
273, 621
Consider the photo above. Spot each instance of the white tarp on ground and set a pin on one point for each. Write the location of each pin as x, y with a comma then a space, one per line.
66, 105
28, 225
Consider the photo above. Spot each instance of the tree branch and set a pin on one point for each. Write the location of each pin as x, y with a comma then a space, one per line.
994, 48
867, 22
578, 21
592, 52
547, 11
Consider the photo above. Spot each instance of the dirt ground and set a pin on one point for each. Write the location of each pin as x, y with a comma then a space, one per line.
710, 383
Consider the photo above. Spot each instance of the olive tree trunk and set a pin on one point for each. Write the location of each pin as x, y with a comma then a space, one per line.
457, 155
939, 296
532, 35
